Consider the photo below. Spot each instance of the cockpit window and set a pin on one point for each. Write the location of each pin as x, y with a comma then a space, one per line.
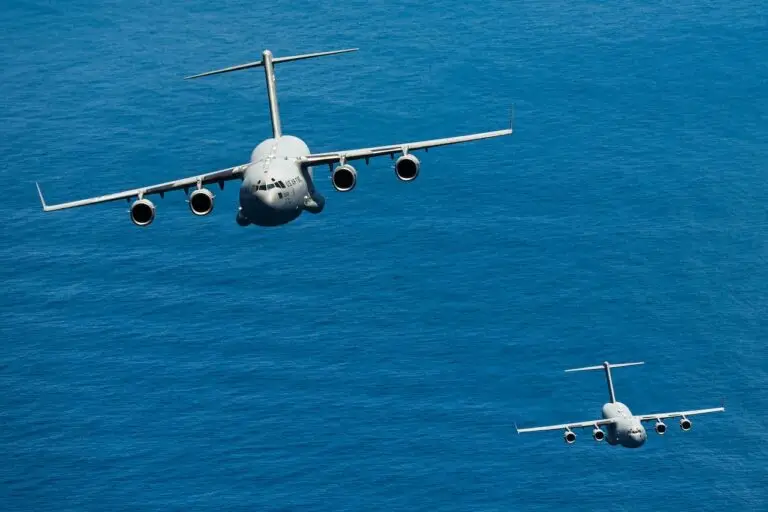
263, 186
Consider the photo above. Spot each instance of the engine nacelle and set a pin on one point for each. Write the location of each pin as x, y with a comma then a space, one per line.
201, 201
598, 435
660, 428
685, 424
569, 437
344, 178
142, 212
407, 167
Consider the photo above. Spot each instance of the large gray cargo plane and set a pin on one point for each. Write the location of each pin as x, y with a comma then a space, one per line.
624, 428
277, 182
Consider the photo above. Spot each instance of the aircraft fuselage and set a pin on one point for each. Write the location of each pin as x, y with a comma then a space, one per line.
275, 189
628, 431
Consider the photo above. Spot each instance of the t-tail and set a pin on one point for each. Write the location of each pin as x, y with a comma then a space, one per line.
267, 62
607, 367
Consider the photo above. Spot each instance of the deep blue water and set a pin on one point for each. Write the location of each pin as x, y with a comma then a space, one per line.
377, 356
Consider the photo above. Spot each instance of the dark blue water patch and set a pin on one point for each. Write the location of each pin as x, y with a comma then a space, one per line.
377, 356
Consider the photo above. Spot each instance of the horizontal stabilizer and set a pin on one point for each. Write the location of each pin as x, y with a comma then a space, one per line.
604, 366
275, 60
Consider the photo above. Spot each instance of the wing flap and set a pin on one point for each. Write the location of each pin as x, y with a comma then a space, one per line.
222, 175
678, 414
356, 154
568, 426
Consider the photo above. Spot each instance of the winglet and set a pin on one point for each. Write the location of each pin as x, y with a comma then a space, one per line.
512, 118
42, 199
517, 429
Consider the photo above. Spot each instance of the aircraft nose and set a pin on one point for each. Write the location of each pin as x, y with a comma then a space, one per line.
268, 198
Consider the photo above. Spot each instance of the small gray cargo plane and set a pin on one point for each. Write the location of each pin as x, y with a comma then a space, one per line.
277, 182
624, 428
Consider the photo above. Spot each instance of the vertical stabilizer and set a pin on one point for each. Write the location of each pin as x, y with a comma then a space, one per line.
274, 110
267, 62
609, 380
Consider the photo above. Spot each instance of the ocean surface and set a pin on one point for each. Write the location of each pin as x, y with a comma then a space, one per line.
378, 356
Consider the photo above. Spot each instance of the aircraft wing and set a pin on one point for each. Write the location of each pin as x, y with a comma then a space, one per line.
680, 414
568, 426
367, 153
220, 176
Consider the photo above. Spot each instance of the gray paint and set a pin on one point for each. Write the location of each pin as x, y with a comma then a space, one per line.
623, 428
273, 162
274, 111
277, 182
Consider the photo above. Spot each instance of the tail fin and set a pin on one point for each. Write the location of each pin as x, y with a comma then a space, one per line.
607, 367
267, 63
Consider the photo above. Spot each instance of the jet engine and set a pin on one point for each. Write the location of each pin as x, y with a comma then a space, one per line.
407, 167
685, 424
660, 428
598, 434
569, 437
201, 201
142, 212
344, 178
